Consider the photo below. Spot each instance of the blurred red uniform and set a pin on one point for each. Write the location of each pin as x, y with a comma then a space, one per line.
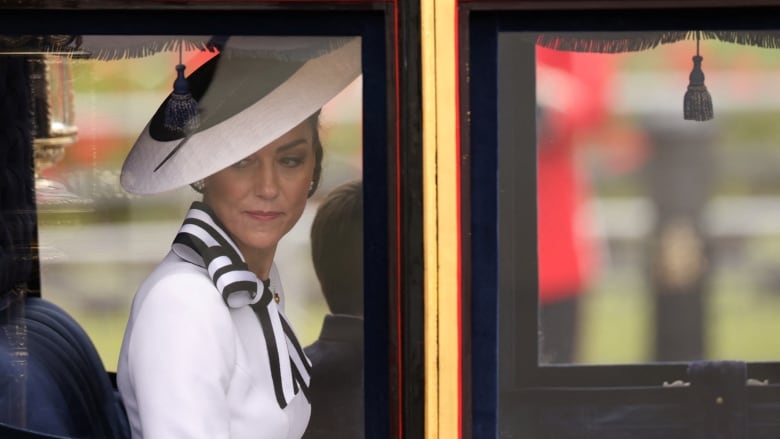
572, 97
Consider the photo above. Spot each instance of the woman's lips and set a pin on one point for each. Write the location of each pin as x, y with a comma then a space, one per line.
262, 215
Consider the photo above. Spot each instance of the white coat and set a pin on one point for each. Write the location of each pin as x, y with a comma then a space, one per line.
191, 367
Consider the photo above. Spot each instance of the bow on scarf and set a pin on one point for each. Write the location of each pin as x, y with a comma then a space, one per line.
203, 241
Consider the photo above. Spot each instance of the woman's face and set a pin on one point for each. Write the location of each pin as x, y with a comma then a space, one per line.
260, 198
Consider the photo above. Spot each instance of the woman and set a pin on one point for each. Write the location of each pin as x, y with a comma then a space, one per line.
207, 350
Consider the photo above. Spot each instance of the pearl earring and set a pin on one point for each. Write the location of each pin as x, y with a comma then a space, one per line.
311, 185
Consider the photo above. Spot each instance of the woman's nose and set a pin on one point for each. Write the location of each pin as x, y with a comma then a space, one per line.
266, 183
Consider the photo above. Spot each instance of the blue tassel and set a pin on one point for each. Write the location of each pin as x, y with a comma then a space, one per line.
181, 110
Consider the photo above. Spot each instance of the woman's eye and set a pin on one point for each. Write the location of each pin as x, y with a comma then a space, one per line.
291, 162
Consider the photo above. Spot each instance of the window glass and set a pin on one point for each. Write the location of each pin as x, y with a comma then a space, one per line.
657, 235
97, 242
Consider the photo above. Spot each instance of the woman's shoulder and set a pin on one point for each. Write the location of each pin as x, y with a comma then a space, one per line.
178, 284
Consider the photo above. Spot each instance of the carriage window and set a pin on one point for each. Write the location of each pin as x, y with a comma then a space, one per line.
656, 176
277, 99
98, 242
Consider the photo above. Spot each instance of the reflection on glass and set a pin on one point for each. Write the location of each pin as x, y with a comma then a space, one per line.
658, 237
51, 83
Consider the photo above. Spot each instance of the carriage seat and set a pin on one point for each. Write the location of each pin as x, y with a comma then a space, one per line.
60, 388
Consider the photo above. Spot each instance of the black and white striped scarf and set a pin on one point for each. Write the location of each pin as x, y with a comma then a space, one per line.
203, 241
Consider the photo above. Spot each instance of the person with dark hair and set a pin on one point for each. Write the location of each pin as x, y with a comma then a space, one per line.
337, 355
208, 351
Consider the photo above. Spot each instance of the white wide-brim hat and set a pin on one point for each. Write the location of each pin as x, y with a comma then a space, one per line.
253, 92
